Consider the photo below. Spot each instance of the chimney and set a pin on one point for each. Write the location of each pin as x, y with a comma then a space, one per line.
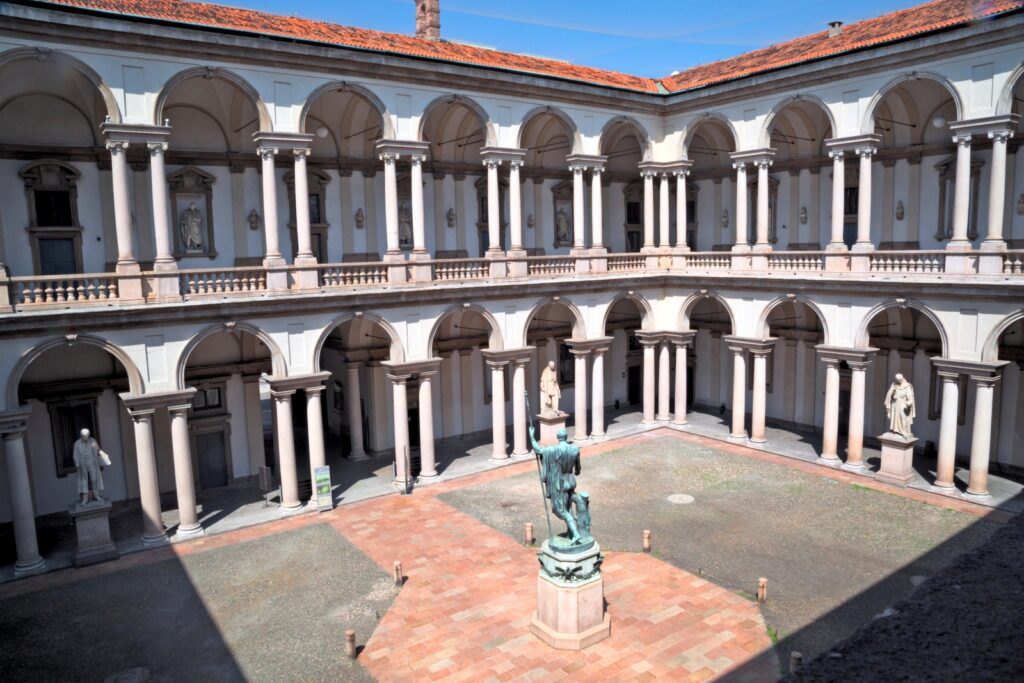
834, 28
428, 19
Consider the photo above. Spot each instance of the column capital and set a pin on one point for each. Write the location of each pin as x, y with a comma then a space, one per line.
758, 157
739, 166
586, 161
157, 147
411, 368
981, 127
833, 355
1000, 135
142, 415
852, 143
866, 152
14, 423
500, 154
978, 371
398, 378
266, 153
301, 152
588, 345
117, 146
836, 154
417, 159
135, 133
962, 139
755, 346
650, 337
683, 338
389, 158
162, 399
295, 383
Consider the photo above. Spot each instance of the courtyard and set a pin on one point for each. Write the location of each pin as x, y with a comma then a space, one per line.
272, 602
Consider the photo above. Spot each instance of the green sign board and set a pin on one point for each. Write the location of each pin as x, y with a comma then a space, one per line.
322, 488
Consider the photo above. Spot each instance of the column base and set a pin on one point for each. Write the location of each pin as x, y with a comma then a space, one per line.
499, 458
189, 532
358, 457
37, 566
274, 261
978, 497
829, 461
598, 437
427, 477
680, 422
945, 490
756, 442
155, 541
129, 282
165, 264
520, 454
645, 421
737, 438
837, 248
854, 467
863, 248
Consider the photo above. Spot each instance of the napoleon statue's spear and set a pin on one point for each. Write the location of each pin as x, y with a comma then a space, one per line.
540, 475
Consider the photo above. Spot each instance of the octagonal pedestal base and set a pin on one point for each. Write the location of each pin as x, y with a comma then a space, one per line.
570, 614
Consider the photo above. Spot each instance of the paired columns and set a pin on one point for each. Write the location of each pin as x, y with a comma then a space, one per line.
759, 349
390, 152
865, 147
657, 375
858, 360
400, 374
579, 164
664, 172
582, 349
493, 158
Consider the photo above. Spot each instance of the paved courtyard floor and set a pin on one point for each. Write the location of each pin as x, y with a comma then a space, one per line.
271, 602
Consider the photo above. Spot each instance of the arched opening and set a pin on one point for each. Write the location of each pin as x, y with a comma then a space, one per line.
548, 137
1009, 411
51, 110
550, 326
711, 371
913, 117
457, 131
624, 359
798, 210
708, 143
625, 145
794, 378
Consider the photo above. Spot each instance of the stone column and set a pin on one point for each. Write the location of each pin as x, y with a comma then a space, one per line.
520, 444
400, 409
493, 206
19, 487
354, 410
579, 230
962, 191
855, 433
419, 242
270, 222
760, 397
455, 401
184, 479
681, 390
836, 242
390, 160
981, 434
158, 189
649, 380
597, 395
149, 487
830, 426
428, 464
664, 224
741, 244
945, 469
580, 393
681, 219
498, 450
648, 177
664, 381
122, 206
596, 210
515, 205
864, 204
315, 435
762, 243
304, 249
997, 191
739, 393
286, 450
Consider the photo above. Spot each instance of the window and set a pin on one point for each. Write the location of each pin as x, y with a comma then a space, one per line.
67, 419
851, 198
53, 208
207, 398
57, 256
56, 237
633, 212
315, 215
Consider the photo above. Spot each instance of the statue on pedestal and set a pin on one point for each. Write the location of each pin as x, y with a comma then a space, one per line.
90, 460
549, 390
900, 407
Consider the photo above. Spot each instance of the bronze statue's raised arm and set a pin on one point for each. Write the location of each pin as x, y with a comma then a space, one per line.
533, 442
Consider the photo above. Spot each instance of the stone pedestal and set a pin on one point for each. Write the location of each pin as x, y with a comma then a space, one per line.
549, 426
897, 459
92, 525
570, 597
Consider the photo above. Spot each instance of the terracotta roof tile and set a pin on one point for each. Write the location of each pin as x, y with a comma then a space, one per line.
931, 16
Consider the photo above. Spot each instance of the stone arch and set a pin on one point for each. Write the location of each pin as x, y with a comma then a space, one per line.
579, 330
397, 350
266, 124
577, 137
46, 54
691, 301
1004, 105
646, 143
388, 131
693, 124
867, 126
276, 357
495, 341
762, 322
647, 313
469, 103
135, 381
990, 351
764, 138
862, 339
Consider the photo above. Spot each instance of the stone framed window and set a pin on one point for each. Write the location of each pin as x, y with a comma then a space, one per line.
481, 208
633, 197
947, 191
561, 197
55, 235
191, 192
773, 200
317, 181
67, 418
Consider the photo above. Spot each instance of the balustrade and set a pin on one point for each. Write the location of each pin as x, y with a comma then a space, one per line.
907, 261
221, 281
624, 263
352, 274
1013, 263
797, 261
447, 270
706, 260
551, 265
60, 291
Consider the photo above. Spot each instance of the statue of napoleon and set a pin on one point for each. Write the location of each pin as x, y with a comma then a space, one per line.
90, 460
560, 463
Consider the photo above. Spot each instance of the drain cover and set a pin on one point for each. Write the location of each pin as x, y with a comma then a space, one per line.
680, 498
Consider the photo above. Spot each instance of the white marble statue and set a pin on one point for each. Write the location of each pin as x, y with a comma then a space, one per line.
562, 227
191, 228
549, 390
900, 407
89, 459
405, 226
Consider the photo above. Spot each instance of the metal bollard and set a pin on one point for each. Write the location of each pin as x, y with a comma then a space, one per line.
350, 643
762, 589
796, 660
647, 540
529, 533
398, 572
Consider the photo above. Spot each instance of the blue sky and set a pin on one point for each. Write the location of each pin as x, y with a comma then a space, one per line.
647, 38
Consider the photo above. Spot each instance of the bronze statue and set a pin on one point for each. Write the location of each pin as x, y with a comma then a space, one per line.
560, 463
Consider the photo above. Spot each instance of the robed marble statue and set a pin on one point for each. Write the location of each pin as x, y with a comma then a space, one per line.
560, 463
550, 392
900, 406
89, 459
191, 228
